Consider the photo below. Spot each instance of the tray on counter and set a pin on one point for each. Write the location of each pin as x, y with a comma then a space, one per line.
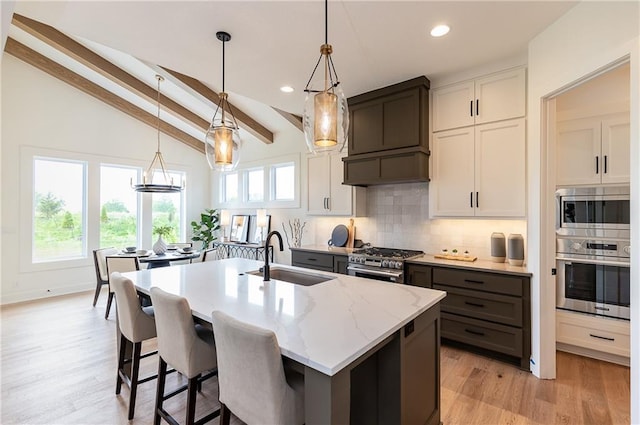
456, 257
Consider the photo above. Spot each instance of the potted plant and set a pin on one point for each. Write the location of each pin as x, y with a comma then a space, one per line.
205, 230
160, 247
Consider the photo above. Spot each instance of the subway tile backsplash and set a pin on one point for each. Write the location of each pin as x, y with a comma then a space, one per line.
398, 216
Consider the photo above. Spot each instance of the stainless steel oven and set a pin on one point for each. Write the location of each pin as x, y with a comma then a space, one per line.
601, 212
386, 275
386, 264
595, 287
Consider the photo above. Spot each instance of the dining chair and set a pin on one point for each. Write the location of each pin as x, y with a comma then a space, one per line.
189, 348
120, 264
210, 254
253, 382
136, 324
100, 264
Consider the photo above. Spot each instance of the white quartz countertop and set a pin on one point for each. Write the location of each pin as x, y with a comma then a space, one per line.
480, 265
326, 326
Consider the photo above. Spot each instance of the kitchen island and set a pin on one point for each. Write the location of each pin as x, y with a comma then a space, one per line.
369, 350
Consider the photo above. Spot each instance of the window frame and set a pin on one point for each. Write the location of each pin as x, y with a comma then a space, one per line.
268, 165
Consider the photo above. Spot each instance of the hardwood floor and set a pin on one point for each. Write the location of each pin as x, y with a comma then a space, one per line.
58, 362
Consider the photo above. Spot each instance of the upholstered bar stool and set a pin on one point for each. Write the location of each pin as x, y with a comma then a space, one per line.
253, 383
136, 324
118, 264
187, 347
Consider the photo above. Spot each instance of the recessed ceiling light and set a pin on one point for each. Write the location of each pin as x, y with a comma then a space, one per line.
286, 89
439, 30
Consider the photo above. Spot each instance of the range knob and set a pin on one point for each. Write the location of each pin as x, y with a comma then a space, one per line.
398, 264
576, 246
361, 260
627, 249
385, 263
351, 260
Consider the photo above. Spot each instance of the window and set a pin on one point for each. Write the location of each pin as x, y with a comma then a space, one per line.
166, 210
283, 187
59, 209
230, 187
255, 185
118, 206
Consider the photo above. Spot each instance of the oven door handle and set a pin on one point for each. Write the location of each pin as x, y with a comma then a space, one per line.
574, 259
376, 272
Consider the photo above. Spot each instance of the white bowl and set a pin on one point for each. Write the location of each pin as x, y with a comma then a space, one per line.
141, 251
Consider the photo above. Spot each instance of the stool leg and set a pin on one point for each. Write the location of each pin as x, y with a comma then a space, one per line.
135, 368
162, 374
225, 414
123, 345
192, 392
106, 314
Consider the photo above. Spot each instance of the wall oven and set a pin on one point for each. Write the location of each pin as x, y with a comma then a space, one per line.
593, 251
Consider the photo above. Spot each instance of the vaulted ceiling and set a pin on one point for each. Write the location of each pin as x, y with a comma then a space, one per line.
114, 49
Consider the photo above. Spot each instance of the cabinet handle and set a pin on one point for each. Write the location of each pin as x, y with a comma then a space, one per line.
471, 199
602, 337
477, 282
477, 107
477, 200
471, 108
605, 164
312, 259
472, 332
474, 304
328, 203
597, 165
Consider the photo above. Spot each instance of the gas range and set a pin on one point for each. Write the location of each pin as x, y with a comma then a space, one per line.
385, 264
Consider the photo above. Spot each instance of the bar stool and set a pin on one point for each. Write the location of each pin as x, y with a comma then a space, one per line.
188, 348
136, 324
253, 383
118, 264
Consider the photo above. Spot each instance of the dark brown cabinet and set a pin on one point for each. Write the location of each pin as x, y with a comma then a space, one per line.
389, 135
484, 312
335, 263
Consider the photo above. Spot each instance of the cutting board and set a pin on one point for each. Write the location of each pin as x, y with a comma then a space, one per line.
352, 233
455, 257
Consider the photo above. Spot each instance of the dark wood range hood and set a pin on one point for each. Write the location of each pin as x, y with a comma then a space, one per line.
389, 135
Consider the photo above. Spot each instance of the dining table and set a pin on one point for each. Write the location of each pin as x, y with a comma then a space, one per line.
369, 350
154, 260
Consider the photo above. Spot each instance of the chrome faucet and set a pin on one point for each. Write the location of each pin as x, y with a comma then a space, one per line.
265, 271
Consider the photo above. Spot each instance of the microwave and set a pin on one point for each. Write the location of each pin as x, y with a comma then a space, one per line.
600, 212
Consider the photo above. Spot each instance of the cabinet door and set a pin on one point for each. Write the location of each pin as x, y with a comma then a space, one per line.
452, 106
340, 195
453, 164
500, 96
578, 152
500, 179
318, 175
616, 140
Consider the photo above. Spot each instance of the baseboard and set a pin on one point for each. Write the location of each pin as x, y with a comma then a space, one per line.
37, 294
599, 355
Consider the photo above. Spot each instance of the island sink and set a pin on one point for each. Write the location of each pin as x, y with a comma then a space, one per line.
293, 276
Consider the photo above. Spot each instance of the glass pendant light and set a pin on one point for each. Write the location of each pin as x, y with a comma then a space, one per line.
325, 119
149, 182
222, 141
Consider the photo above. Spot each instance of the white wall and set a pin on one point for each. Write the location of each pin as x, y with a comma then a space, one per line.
587, 38
42, 112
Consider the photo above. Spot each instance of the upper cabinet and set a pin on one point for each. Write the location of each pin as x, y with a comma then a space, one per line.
496, 97
479, 171
389, 135
593, 150
326, 193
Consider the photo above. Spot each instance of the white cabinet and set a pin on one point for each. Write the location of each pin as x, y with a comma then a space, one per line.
593, 150
326, 193
577, 332
479, 171
496, 97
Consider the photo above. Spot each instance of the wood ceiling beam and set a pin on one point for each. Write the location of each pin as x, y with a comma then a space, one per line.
294, 119
97, 63
58, 71
252, 126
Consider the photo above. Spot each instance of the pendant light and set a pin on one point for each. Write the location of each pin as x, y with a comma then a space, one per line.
222, 141
157, 165
325, 119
